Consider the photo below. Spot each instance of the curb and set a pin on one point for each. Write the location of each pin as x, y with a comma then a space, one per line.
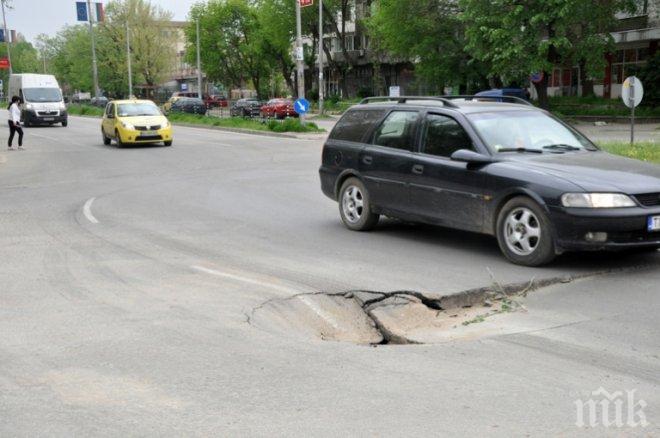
237, 130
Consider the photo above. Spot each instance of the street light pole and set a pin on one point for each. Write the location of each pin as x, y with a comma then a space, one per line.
128, 58
321, 88
300, 61
199, 65
97, 91
4, 19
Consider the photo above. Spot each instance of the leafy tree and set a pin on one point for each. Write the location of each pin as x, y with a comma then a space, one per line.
152, 48
71, 62
231, 42
650, 77
518, 38
24, 59
431, 33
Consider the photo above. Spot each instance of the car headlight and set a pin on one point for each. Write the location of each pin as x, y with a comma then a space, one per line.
62, 107
29, 106
597, 200
128, 126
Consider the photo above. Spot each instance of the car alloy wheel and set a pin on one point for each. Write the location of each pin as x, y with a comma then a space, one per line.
522, 231
525, 233
353, 204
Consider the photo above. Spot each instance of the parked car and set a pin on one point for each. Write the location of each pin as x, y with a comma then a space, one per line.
100, 101
245, 108
167, 106
135, 122
509, 170
215, 101
278, 108
520, 93
188, 105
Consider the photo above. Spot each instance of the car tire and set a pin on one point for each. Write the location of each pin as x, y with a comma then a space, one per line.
120, 144
525, 234
65, 123
354, 206
168, 143
106, 140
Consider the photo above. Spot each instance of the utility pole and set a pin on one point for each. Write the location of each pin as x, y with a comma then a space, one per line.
321, 88
97, 91
199, 65
128, 58
300, 59
4, 19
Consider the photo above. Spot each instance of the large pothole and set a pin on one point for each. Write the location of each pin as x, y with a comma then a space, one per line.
400, 317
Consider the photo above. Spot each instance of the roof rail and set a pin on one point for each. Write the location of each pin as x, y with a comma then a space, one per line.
513, 99
404, 99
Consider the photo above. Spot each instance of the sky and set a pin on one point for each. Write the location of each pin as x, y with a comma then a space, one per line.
32, 17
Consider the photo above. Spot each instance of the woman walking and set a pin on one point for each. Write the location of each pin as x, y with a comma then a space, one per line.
15, 123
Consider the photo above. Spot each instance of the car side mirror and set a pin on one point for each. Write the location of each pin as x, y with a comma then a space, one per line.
471, 157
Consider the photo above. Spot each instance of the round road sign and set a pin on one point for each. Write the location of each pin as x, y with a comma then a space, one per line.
632, 91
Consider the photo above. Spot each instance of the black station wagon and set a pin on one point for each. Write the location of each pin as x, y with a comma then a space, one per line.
506, 169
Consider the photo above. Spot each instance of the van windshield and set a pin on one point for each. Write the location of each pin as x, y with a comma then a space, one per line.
42, 95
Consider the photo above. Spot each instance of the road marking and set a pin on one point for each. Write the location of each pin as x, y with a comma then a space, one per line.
242, 279
87, 211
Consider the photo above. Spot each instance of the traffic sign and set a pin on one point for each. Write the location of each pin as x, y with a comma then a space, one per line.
301, 106
536, 77
304, 3
632, 91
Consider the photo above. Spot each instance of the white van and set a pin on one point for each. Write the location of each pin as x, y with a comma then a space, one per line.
42, 99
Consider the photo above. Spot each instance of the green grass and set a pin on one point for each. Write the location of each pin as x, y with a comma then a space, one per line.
85, 110
645, 151
287, 125
597, 106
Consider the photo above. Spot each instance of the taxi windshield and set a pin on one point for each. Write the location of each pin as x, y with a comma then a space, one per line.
137, 109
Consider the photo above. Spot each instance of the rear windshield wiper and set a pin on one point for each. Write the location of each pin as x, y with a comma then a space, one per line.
534, 151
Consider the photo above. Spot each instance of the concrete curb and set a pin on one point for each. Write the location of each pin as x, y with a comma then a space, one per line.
300, 136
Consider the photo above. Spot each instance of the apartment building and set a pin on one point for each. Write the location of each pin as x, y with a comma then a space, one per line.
636, 37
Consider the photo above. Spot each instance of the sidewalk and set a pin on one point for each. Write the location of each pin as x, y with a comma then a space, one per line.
620, 132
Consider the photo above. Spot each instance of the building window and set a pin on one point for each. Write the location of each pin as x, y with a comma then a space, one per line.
349, 41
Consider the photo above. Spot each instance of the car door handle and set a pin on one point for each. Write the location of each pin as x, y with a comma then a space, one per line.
418, 169
367, 159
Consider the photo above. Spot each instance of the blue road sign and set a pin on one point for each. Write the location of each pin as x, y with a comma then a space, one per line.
81, 9
301, 106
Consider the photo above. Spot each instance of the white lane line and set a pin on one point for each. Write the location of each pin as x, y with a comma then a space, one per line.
87, 211
242, 279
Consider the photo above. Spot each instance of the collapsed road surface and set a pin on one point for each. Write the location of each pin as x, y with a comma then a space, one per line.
128, 274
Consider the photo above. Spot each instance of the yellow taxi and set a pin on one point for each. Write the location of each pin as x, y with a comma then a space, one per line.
135, 122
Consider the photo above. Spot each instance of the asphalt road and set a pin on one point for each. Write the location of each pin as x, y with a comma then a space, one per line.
127, 276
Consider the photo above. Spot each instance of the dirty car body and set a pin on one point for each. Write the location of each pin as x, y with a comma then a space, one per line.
505, 169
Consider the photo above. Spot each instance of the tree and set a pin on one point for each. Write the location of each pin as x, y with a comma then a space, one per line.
24, 59
231, 44
519, 38
71, 62
429, 32
152, 47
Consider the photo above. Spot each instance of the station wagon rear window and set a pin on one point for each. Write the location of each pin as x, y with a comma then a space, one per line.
355, 123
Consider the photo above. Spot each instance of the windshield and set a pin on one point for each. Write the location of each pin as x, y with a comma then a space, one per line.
137, 109
42, 95
504, 131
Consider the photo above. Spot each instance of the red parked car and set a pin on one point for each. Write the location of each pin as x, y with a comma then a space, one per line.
278, 108
215, 101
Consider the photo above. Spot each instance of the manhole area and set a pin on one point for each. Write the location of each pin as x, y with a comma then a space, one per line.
400, 317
